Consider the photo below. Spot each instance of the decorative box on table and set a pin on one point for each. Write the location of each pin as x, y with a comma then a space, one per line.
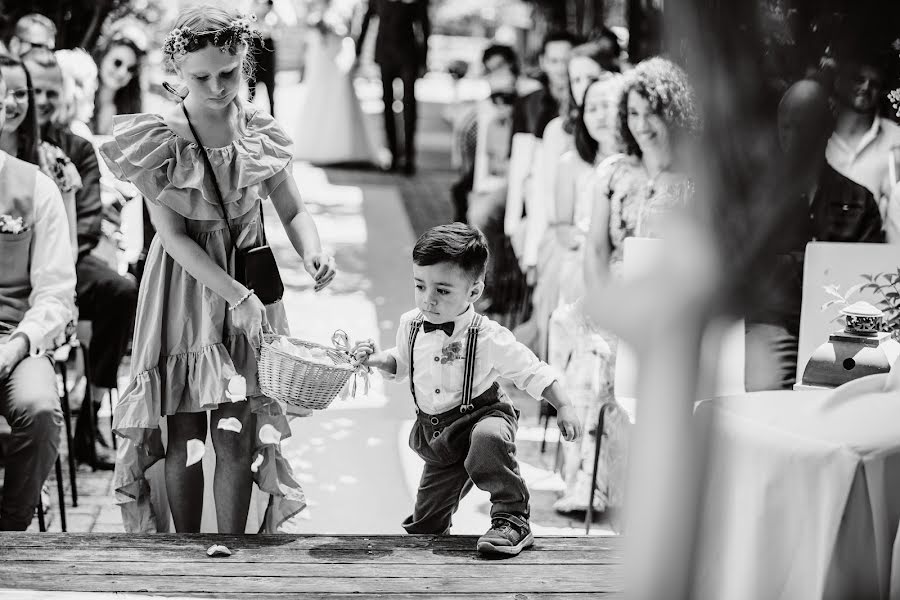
860, 349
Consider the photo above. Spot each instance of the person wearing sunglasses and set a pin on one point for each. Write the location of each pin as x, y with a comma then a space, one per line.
32, 31
119, 65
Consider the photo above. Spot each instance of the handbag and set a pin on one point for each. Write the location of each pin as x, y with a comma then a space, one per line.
254, 268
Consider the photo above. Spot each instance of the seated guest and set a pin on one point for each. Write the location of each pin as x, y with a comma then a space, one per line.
501, 71
105, 298
863, 139
480, 196
828, 208
118, 61
535, 110
531, 114
20, 138
37, 288
80, 80
32, 31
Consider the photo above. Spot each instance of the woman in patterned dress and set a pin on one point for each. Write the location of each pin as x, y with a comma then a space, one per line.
636, 194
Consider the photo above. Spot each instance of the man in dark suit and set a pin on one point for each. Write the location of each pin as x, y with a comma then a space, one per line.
401, 50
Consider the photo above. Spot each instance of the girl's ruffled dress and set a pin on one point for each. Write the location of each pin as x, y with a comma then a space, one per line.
185, 351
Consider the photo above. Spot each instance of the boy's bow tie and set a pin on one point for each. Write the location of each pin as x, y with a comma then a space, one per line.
447, 327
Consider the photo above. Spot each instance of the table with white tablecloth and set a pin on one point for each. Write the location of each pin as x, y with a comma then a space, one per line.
802, 494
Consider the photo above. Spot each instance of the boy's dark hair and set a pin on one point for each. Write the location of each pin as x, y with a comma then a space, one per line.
506, 53
560, 35
457, 243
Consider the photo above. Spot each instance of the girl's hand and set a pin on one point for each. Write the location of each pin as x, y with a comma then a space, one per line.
321, 267
362, 351
250, 316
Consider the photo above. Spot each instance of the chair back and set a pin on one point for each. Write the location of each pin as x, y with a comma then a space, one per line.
833, 274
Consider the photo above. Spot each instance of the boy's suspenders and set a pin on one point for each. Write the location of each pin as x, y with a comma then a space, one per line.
414, 328
468, 374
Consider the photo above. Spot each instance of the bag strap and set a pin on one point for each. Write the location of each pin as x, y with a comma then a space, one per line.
215, 182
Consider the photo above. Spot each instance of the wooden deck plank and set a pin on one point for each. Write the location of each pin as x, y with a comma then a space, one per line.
309, 566
224, 568
174, 542
287, 595
537, 583
403, 556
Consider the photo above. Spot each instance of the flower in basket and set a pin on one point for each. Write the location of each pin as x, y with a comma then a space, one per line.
11, 224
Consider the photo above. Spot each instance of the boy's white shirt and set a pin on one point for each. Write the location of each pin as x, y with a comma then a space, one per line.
440, 362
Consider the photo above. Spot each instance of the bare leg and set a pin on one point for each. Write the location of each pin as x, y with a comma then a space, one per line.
233, 480
184, 484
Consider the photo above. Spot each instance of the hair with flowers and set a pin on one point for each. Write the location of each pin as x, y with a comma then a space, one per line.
200, 26
670, 95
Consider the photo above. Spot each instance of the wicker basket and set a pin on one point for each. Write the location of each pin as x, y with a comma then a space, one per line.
299, 382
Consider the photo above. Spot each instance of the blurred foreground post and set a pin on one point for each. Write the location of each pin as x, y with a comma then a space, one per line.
708, 271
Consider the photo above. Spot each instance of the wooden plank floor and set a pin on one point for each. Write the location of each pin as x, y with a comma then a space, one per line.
309, 566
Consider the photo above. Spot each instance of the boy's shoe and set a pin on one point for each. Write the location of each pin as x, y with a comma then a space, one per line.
509, 534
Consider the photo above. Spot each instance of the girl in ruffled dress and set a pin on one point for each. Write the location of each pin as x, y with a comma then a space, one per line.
196, 337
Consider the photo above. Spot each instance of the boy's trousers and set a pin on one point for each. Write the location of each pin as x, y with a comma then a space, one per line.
460, 449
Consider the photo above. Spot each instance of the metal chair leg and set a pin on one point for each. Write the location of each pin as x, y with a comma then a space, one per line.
61, 493
42, 525
115, 444
67, 415
589, 513
89, 398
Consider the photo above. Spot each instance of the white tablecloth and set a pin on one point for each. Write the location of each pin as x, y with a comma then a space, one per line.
802, 496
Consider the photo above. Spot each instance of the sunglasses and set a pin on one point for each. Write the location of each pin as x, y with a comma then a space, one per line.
118, 62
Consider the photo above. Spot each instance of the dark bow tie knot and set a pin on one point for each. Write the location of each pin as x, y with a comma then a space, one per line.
447, 328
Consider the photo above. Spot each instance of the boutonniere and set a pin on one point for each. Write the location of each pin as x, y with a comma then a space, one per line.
11, 224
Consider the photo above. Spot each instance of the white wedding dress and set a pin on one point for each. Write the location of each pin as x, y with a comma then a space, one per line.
331, 125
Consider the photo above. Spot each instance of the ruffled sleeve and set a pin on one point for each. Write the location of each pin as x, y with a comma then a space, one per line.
278, 141
169, 170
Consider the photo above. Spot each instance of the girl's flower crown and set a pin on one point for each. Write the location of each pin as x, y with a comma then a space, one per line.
182, 40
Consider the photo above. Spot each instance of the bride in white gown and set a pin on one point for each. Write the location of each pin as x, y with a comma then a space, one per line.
331, 127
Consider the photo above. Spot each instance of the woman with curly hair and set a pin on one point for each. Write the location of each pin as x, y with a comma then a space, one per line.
636, 193
639, 191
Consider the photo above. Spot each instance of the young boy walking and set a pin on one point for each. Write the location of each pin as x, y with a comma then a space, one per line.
465, 425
